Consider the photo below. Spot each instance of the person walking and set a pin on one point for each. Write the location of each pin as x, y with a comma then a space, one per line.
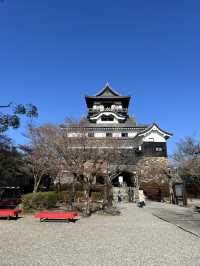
132, 195
141, 202
119, 197
129, 194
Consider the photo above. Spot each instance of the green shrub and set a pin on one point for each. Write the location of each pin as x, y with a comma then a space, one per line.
39, 201
80, 195
96, 196
67, 196
68, 187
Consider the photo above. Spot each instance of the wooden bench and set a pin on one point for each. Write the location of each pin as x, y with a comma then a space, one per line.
67, 216
10, 213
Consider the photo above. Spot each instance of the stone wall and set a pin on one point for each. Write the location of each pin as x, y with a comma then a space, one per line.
152, 168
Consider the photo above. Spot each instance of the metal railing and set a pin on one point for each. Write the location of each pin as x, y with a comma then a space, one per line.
108, 109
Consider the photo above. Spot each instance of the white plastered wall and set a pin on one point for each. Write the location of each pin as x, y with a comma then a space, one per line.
73, 135
132, 134
100, 134
116, 134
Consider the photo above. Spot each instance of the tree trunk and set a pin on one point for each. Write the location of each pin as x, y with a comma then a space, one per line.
105, 195
37, 181
36, 185
171, 192
137, 187
87, 201
110, 195
105, 200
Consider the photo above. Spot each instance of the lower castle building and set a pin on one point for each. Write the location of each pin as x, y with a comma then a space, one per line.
108, 117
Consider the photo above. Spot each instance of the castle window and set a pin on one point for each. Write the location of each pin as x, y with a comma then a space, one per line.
124, 135
151, 139
159, 149
107, 105
91, 134
108, 134
107, 118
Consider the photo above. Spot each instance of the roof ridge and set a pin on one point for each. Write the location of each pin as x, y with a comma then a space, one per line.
107, 86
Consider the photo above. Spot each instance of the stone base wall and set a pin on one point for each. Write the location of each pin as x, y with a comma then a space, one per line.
152, 177
149, 168
145, 169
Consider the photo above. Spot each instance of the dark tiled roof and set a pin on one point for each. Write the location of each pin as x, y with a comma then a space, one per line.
107, 91
107, 94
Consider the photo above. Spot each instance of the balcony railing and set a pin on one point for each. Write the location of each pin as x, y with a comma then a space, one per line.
102, 109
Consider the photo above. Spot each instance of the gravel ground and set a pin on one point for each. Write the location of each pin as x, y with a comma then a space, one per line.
185, 218
134, 238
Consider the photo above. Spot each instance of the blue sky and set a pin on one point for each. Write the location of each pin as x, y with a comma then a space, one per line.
52, 53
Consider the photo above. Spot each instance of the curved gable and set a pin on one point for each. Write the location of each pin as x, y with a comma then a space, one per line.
155, 132
103, 114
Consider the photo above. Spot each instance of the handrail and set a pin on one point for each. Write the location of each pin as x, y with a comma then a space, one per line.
108, 109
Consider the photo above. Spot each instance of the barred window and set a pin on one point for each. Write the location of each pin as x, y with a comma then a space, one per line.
108, 134
107, 118
91, 134
125, 135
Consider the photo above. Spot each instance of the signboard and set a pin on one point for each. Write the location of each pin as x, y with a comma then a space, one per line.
120, 179
179, 190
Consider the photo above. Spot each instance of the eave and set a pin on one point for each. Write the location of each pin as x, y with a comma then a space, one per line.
148, 129
91, 99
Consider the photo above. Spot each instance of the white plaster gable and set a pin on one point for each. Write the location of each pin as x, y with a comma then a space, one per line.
154, 133
154, 136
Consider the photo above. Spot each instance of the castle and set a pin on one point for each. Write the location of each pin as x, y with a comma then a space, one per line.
108, 117
141, 146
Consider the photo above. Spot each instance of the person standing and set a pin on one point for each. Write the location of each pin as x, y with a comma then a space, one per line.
119, 197
141, 202
129, 194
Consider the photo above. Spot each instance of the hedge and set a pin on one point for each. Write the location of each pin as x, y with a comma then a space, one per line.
39, 201
96, 196
67, 196
47, 200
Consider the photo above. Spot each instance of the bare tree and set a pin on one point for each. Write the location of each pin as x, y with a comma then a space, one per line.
69, 149
40, 154
187, 159
85, 158
158, 170
81, 155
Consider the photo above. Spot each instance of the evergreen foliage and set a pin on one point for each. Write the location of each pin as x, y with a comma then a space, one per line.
11, 162
39, 200
11, 119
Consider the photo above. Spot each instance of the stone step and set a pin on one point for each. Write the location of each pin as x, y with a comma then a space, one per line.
123, 192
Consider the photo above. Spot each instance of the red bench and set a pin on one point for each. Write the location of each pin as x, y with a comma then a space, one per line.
68, 216
10, 213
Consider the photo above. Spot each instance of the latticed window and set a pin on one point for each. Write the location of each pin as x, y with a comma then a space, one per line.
107, 118
159, 149
125, 135
91, 134
108, 134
